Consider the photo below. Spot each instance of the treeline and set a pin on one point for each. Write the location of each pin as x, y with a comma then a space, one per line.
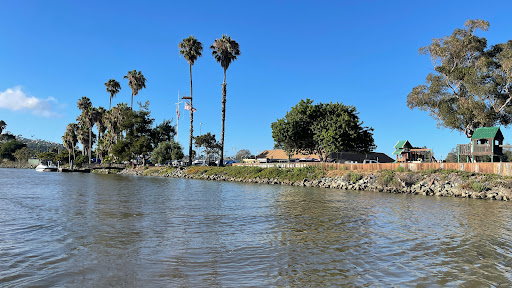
121, 134
124, 134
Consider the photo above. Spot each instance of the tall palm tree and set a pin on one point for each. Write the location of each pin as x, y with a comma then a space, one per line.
225, 51
67, 144
136, 81
87, 120
99, 118
2, 126
113, 87
191, 49
73, 137
70, 139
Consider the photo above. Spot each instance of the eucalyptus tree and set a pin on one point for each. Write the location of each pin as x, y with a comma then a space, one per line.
136, 81
113, 87
225, 50
2, 126
191, 49
471, 85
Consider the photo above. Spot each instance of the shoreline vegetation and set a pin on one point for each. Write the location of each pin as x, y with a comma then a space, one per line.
434, 182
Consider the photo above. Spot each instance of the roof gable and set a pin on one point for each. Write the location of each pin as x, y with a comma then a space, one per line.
403, 144
487, 132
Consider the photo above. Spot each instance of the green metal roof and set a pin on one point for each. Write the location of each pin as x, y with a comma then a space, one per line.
398, 151
486, 132
403, 144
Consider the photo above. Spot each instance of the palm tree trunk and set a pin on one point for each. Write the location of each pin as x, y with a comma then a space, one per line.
98, 143
90, 140
110, 103
191, 121
132, 102
221, 160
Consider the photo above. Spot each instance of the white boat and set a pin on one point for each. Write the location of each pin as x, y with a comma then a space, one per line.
46, 166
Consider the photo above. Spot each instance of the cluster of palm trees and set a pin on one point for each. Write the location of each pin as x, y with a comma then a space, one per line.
108, 122
105, 120
224, 50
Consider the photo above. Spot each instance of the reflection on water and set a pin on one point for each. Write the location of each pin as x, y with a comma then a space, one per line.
80, 230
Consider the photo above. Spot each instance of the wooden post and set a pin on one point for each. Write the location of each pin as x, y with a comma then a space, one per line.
492, 149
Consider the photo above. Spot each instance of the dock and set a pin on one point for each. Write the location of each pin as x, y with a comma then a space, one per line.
87, 168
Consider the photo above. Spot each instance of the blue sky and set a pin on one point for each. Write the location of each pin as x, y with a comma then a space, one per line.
361, 53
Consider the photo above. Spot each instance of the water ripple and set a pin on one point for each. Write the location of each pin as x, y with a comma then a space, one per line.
118, 231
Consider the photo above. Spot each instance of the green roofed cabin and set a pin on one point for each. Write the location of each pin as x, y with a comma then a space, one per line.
486, 144
405, 152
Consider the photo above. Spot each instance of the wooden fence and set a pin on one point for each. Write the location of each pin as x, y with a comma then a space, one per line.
504, 168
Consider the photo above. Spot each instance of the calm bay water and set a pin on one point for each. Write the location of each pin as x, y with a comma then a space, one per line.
87, 230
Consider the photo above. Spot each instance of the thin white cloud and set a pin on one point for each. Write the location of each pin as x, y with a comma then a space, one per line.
16, 100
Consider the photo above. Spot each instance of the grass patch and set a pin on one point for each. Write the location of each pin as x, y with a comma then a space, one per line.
401, 169
352, 177
241, 172
474, 186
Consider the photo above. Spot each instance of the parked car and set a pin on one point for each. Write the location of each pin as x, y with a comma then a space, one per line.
370, 161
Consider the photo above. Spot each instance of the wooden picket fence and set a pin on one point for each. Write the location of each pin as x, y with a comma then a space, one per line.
504, 168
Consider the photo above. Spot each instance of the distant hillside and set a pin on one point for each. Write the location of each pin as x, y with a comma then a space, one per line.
41, 145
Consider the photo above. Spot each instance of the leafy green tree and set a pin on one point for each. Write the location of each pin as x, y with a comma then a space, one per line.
81, 159
2, 126
7, 137
191, 49
63, 156
141, 146
121, 150
209, 143
322, 129
47, 156
471, 86
163, 132
9, 148
166, 151
225, 50
137, 139
136, 81
23, 154
113, 87
242, 154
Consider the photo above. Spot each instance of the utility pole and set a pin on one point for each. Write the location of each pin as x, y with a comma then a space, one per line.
178, 113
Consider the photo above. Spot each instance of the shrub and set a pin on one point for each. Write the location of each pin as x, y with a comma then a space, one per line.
478, 187
352, 177
475, 186
400, 169
386, 178
409, 179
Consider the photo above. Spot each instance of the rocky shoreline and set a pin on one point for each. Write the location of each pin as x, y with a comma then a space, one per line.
17, 165
442, 184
